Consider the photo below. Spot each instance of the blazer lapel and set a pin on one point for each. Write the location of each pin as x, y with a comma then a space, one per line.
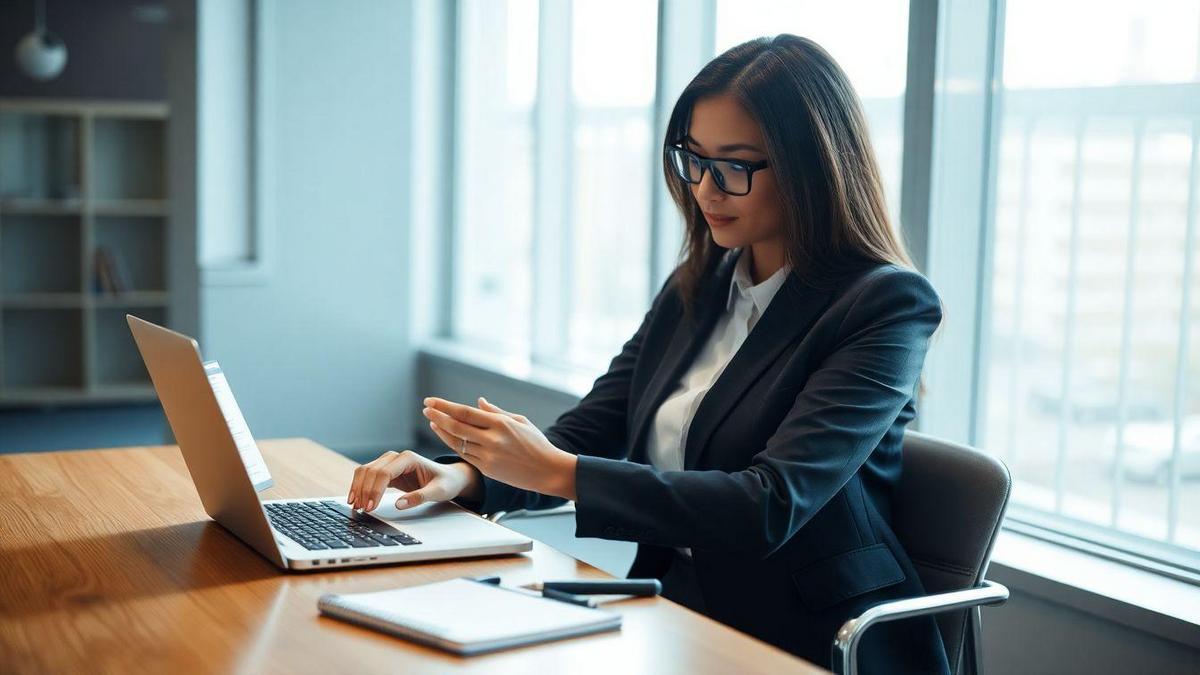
685, 342
789, 315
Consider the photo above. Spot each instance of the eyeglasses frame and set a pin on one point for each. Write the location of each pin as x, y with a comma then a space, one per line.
707, 162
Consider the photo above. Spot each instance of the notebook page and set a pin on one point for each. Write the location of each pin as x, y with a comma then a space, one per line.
467, 611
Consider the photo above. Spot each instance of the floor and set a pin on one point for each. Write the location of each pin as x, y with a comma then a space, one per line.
68, 428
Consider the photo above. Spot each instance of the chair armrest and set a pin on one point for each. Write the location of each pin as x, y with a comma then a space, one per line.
845, 644
498, 516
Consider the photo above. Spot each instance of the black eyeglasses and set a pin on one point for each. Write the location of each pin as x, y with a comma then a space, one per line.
732, 176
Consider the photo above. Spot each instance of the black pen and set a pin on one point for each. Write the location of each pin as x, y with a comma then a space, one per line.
546, 593
567, 597
642, 587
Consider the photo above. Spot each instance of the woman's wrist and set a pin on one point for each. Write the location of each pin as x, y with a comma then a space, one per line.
562, 479
473, 487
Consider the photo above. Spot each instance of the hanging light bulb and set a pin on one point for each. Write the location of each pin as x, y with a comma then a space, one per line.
41, 54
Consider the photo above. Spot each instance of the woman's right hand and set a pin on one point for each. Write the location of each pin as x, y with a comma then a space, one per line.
423, 480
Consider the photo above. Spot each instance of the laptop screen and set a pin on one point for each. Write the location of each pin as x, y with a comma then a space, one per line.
256, 467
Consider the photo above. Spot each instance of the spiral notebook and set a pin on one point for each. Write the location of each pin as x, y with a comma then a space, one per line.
467, 617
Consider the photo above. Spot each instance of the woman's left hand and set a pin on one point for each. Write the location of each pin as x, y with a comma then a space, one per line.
503, 445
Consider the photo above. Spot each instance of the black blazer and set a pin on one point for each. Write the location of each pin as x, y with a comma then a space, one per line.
790, 463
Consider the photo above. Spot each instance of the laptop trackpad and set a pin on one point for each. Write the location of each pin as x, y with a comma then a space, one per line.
387, 509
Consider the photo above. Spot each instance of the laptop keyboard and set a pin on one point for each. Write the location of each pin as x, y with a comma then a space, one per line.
326, 525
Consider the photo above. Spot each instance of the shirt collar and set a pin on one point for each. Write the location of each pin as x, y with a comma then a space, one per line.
742, 285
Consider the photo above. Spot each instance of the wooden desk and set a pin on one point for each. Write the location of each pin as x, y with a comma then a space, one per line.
108, 563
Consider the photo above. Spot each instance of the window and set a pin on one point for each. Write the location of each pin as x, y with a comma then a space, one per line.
555, 166
494, 171
1093, 369
614, 157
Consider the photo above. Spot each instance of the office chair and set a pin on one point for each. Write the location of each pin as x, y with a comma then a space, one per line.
948, 510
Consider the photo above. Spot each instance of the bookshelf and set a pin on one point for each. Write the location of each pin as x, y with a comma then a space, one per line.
83, 240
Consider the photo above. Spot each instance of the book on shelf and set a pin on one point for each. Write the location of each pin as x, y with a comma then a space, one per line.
109, 274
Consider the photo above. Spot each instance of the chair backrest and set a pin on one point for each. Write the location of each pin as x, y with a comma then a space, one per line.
947, 513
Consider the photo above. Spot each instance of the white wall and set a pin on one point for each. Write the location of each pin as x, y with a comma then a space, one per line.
317, 346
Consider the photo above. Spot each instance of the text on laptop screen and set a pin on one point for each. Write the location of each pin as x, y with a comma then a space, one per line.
256, 467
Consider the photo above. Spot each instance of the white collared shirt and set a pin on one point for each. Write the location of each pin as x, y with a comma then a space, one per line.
744, 305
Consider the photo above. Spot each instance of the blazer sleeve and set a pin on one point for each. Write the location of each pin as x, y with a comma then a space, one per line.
838, 418
595, 426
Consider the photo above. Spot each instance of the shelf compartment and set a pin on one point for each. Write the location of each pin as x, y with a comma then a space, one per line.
39, 156
118, 364
128, 159
137, 246
42, 348
39, 254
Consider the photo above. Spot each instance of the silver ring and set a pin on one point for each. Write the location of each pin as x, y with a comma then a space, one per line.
462, 449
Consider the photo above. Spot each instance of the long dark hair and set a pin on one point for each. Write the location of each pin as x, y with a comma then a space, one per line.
820, 152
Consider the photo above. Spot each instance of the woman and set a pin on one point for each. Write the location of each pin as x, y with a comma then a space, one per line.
748, 435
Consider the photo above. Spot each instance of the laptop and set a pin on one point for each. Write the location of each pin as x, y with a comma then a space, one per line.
295, 534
